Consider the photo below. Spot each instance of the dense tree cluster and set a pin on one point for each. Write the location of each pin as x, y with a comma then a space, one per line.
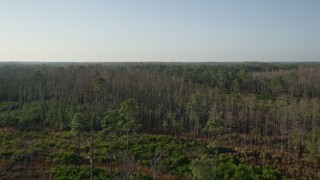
260, 103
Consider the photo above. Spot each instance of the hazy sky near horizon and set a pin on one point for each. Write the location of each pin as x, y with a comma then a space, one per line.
159, 30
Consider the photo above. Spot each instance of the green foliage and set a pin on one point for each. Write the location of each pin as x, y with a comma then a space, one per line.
196, 109
203, 168
128, 117
78, 122
236, 85
19, 155
215, 125
73, 173
172, 123
257, 133
110, 120
64, 157
278, 85
177, 154
8, 105
8, 119
179, 157
30, 116
99, 84
229, 168
261, 104
15, 155
59, 114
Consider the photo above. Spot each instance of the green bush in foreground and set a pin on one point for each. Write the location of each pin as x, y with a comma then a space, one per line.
73, 173
228, 168
65, 157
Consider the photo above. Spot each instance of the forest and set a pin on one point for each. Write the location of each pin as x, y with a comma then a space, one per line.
248, 120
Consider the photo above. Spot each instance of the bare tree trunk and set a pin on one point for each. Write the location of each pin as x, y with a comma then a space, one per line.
194, 136
127, 141
79, 150
91, 148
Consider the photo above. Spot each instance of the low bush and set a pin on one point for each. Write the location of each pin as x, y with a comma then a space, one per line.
65, 157
229, 168
73, 173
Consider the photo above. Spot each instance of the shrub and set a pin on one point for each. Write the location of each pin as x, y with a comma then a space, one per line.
65, 157
229, 168
73, 173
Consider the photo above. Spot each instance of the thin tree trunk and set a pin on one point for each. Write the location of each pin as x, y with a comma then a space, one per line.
91, 145
194, 136
79, 150
127, 141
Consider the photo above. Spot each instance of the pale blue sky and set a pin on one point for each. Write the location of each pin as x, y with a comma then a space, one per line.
162, 30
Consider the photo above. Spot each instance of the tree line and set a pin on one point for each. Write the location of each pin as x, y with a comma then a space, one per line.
257, 103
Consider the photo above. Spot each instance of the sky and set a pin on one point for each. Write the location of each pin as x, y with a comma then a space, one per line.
159, 30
